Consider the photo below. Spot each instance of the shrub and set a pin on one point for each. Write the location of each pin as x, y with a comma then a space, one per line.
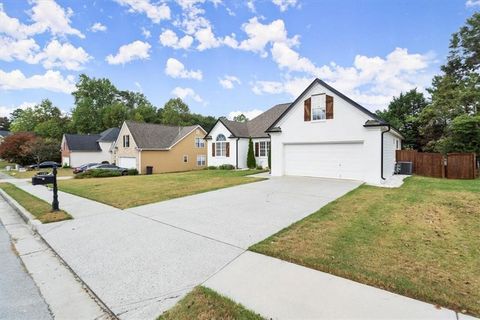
132, 172
259, 168
251, 163
226, 167
66, 166
211, 168
98, 173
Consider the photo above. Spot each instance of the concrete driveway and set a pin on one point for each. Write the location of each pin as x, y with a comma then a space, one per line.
141, 261
244, 215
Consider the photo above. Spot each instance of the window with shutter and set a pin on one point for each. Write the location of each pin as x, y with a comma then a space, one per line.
227, 149
213, 149
329, 107
307, 109
257, 147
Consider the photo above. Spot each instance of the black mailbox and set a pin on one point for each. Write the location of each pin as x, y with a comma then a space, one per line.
43, 179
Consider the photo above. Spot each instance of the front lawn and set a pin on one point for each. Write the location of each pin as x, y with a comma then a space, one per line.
421, 240
205, 304
61, 172
37, 207
130, 191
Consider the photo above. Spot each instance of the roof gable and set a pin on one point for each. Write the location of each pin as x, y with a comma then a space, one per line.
333, 90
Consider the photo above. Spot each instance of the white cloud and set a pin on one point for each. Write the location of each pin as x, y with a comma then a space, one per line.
97, 26
132, 51
5, 111
63, 55
284, 4
206, 39
371, 81
46, 15
228, 82
249, 114
286, 57
155, 12
259, 35
472, 3
251, 5
51, 80
23, 49
55, 54
146, 33
184, 93
176, 69
168, 38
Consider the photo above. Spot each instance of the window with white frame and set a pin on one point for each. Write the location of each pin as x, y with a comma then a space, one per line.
201, 160
319, 108
199, 143
221, 146
263, 149
126, 141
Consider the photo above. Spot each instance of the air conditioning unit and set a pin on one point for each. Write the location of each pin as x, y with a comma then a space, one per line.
404, 167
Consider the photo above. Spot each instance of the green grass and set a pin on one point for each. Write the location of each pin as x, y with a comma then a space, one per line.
130, 191
421, 240
37, 207
4, 163
205, 304
61, 172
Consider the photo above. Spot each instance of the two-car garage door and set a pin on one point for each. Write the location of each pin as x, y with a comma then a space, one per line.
329, 160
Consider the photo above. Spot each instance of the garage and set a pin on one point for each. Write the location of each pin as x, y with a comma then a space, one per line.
127, 162
328, 160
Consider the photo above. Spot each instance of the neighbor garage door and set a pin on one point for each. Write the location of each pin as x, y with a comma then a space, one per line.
127, 162
329, 160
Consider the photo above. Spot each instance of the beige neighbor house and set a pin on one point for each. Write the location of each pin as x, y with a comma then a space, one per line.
160, 148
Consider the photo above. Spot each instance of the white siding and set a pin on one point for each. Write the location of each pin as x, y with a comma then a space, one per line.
261, 161
347, 125
217, 161
390, 142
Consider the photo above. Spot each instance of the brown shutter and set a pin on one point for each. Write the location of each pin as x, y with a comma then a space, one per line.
307, 109
213, 149
329, 107
257, 149
227, 149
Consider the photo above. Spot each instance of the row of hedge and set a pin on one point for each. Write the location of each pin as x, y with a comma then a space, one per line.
102, 173
227, 167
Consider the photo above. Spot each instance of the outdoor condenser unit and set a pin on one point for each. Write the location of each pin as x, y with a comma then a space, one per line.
404, 167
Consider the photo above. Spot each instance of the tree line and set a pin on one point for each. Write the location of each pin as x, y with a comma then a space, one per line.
449, 120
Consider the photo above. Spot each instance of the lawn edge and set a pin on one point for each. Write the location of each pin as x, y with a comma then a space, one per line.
254, 179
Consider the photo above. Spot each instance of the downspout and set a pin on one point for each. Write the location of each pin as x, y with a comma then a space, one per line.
381, 155
236, 151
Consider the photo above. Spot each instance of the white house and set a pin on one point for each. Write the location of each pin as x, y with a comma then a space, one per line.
323, 133
227, 141
78, 149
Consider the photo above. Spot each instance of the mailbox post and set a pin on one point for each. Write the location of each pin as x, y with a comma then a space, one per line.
47, 179
55, 190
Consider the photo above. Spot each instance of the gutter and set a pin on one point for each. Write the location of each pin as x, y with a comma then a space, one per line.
381, 155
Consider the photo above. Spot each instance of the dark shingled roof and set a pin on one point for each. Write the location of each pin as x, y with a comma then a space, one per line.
109, 135
256, 127
83, 142
157, 136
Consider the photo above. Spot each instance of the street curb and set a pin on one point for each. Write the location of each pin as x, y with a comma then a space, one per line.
32, 222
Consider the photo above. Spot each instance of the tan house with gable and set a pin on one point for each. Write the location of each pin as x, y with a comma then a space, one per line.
163, 148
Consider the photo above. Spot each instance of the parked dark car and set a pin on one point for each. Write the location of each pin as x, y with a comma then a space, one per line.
111, 167
84, 167
45, 164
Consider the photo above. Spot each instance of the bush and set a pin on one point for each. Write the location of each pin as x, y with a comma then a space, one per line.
211, 168
259, 168
98, 173
226, 167
66, 166
132, 172
251, 162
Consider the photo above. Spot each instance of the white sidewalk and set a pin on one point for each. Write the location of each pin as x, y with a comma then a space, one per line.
281, 290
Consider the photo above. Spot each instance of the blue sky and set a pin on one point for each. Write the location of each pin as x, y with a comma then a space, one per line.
223, 56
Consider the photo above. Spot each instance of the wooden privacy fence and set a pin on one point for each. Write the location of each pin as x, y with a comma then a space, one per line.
451, 166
